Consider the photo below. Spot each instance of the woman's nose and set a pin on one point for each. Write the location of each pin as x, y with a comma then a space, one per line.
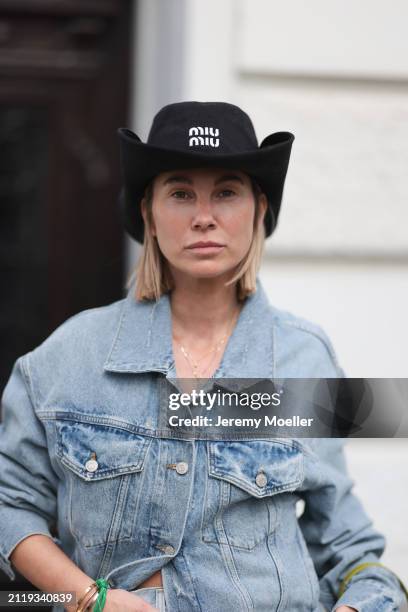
203, 215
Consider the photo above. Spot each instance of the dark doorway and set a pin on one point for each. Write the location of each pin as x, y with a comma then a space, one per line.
64, 81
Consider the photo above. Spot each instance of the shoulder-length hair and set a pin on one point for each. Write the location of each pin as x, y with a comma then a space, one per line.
153, 275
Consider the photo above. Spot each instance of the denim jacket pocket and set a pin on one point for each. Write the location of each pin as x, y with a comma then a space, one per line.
104, 467
245, 478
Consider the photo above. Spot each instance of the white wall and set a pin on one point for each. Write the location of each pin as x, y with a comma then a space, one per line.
362, 306
330, 38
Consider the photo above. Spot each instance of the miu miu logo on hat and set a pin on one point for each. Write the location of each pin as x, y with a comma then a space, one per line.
203, 136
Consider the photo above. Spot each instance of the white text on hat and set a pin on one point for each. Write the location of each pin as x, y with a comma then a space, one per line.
196, 136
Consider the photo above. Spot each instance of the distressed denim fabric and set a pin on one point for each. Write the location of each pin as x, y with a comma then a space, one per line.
222, 542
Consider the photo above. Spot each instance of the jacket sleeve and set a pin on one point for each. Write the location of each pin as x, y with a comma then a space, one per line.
28, 483
340, 536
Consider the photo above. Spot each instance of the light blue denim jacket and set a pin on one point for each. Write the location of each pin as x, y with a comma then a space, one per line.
222, 542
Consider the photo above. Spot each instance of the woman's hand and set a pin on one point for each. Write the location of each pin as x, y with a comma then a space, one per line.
119, 600
345, 609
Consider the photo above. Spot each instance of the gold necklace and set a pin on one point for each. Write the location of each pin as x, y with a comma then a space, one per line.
194, 364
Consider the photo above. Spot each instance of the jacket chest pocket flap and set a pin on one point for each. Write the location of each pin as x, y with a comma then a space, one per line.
244, 479
105, 465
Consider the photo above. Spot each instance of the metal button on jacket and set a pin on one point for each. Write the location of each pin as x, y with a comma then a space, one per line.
182, 467
261, 479
91, 465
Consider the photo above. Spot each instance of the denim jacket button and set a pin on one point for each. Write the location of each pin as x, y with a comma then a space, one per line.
168, 549
91, 465
261, 479
182, 467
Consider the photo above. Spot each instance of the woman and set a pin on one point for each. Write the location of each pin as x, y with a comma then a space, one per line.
86, 453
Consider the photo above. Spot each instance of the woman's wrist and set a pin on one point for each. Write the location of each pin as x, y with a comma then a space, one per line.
84, 601
91, 601
83, 593
94, 597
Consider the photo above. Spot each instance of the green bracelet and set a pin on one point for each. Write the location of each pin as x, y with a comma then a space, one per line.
361, 567
103, 585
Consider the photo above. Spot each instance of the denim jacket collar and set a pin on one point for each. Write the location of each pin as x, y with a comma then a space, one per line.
143, 341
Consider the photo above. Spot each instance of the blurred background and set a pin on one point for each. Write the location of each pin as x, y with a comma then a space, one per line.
73, 71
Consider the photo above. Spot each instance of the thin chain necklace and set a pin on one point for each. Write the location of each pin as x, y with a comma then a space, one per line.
194, 364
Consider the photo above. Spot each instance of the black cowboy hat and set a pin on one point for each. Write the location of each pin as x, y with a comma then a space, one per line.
201, 134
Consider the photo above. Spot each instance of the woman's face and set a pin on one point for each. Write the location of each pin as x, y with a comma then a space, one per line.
203, 220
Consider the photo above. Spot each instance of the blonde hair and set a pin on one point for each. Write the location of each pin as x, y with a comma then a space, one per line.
152, 273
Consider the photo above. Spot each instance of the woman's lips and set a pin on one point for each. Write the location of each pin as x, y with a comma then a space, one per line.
206, 247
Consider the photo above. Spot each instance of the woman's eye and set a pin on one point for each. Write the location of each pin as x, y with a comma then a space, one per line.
180, 195
226, 193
